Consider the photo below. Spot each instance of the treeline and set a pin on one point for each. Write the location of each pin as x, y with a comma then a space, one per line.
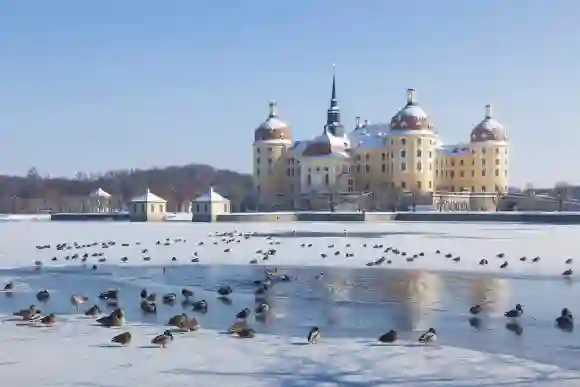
176, 184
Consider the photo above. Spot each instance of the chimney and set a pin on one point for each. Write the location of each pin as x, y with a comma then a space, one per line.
357, 122
410, 96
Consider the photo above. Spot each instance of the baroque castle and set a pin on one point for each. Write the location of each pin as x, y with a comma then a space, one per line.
385, 162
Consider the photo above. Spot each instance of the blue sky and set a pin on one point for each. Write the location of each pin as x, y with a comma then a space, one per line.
110, 84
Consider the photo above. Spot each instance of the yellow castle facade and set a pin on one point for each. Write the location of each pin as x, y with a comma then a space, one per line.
383, 161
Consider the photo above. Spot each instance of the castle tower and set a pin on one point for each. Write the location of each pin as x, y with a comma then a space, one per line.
271, 141
489, 145
412, 144
333, 122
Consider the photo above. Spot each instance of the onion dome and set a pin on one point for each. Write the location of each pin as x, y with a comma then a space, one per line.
327, 145
411, 117
273, 128
488, 129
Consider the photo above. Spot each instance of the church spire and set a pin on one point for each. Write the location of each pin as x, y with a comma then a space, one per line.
333, 124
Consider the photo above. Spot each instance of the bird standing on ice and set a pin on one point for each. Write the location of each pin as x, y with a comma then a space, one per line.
428, 337
313, 335
516, 312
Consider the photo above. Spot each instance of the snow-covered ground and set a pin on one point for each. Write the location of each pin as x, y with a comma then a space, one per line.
75, 352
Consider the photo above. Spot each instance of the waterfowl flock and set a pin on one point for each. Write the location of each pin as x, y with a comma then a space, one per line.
185, 323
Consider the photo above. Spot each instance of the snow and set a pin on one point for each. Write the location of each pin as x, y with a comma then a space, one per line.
100, 193
85, 357
211, 197
148, 197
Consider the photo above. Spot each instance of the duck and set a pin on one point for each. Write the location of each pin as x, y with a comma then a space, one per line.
262, 308
313, 335
514, 313
189, 324
148, 307
200, 306
186, 293
428, 337
567, 273
122, 338
177, 320
115, 319
31, 313
246, 333
77, 300
169, 298
225, 290
144, 293
48, 320
565, 322
111, 294
43, 296
237, 326
504, 265
163, 339
9, 286
243, 314
93, 311
389, 337
475, 309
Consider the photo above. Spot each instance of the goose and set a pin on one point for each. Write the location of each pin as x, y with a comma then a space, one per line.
31, 313
565, 322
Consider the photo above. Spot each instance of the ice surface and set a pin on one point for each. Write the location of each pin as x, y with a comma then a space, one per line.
75, 352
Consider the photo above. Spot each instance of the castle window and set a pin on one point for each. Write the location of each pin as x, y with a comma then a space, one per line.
419, 166
367, 157
269, 161
326, 169
430, 166
419, 141
368, 168
430, 154
430, 184
472, 173
403, 185
483, 188
258, 160
461, 173
326, 179
269, 150
505, 173
452, 163
383, 156
483, 150
437, 173
419, 153
403, 167
403, 154
258, 150
497, 151
309, 179
358, 168
418, 185
383, 168
496, 161
483, 172
452, 173
288, 172
403, 141
461, 162
497, 173
482, 161
257, 172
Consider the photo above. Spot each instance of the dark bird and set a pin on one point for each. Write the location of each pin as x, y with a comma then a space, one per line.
186, 293
565, 322
500, 255
483, 262
111, 294
43, 296
48, 320
148, 307
389, 337
246, 333
122, 338
243, 314
9, 286
225, 290
514, 313
567, 273
115, 319
504, 265
428, 337
177, 320
475, 309
200, 306
569, 261
93, 311
144, 293
169, 298
313, 335
163, 339
536, 259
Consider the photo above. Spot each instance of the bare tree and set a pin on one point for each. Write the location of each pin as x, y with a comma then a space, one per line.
497, 200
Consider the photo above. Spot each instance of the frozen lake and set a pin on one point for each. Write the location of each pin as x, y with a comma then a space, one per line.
351, 301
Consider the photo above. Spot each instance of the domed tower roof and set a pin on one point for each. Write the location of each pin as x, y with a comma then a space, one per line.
411, 117
327, 144
488, 129
273, 128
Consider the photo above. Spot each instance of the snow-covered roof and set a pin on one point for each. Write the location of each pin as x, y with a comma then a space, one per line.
488, 129
327, 145
369, 136
411, 116
454, 150
211, 196
148, 197
100, 193
273, 128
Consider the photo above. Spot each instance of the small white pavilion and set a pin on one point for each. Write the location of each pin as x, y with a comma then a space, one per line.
208, 206
148, 207
99, 201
